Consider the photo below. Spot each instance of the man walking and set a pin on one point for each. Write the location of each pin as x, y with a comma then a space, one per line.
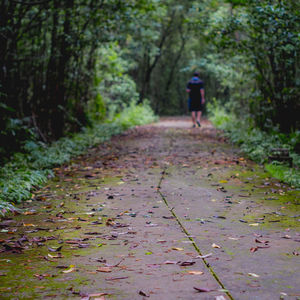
195, 88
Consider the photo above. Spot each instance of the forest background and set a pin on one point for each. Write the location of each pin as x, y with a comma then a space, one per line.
74, 72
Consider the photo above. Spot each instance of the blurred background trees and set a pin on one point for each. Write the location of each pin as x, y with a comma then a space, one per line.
67, 64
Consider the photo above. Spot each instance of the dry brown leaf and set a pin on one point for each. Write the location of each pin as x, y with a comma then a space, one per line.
104, 269
177, 249
195, 272
216, 246
29, 225
29, 213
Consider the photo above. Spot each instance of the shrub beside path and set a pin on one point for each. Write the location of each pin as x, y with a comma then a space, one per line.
162, 211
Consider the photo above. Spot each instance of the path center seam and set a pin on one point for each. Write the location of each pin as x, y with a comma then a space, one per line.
187, 233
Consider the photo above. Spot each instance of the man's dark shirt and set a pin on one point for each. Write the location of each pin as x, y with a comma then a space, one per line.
195, 85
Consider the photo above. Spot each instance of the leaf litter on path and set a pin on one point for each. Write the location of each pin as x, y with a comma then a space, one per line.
112, 222
195, 272
72, 268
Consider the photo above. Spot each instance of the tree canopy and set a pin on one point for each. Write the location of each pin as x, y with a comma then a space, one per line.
66, 64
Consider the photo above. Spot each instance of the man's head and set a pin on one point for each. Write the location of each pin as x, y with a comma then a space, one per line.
196, 74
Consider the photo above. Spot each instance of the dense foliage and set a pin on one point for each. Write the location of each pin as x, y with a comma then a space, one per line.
32, 168
267, 34
259, 145
48, 59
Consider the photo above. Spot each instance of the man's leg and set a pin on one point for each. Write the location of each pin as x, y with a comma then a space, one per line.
199, 113
194, 118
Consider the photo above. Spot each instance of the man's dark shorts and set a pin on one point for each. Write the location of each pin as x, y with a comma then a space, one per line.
195, 105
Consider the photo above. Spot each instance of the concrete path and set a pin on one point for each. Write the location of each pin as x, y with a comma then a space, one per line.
162, 212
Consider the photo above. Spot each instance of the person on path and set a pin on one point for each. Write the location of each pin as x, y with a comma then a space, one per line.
195, 88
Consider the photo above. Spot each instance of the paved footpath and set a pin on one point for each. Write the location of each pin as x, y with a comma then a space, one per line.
163, 211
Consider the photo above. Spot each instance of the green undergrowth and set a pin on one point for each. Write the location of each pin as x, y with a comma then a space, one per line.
258, 145
32, 168
284, 173
134, 115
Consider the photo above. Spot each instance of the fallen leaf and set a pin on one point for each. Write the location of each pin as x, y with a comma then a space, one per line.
114, 265
161, 241
177, 249
104, 269
253, 275
186, 263
204, 256
220, 298
216, 246
29, 213
98, 295
143, 294
169, 217
170, 262
263, 247
195, 272
219, 217
253, 249
257, 235
29, 225
55, 256
71, 269
55, 250
110, 222
261, 242
124, 212
41, 276
202, 290
287, 237
115, 278
254, 224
